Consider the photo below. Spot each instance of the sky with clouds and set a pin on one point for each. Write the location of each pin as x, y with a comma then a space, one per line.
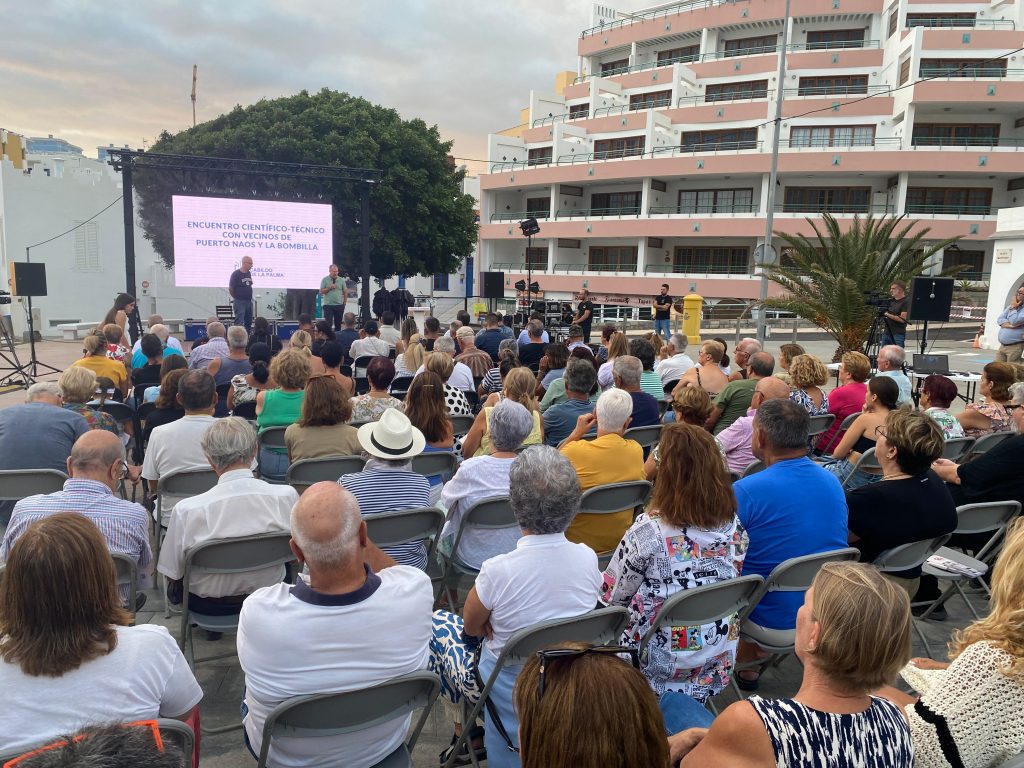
120, 71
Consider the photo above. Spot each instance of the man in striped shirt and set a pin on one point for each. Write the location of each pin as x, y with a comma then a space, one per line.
96, 466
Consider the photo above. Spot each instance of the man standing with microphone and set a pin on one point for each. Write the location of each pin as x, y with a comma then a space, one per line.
1011, 329
332, 288
240, 289
663, 313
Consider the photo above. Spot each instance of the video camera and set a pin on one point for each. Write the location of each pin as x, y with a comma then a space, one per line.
877, 299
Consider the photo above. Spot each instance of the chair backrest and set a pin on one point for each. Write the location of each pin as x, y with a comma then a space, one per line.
461, 424
600, 627
754, 467
222, 400
16, 484
190, 483
241, 554
127, 571
986, 443
847, 423
670, 386
907, 556
646, 436
333, 714
442, 463
705, 604
614, 497
1014, 762
472, 397
120, 411
246, 410
986, 517
178, 733
304, 472
867, 460
492, 512
273, 437
797, 573
820, 424
957, 447
400, 386
387, 529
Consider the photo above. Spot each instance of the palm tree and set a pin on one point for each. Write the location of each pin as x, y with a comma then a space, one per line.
830, 277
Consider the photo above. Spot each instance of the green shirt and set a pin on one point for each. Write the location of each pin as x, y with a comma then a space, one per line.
337, 294
734, 401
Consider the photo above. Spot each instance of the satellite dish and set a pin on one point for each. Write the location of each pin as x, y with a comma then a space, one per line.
765, 256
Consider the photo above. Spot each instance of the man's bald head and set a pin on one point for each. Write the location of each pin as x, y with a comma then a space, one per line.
326, 526
772, 388
94, 454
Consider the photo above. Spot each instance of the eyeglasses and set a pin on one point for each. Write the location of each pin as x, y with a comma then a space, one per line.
571, 654
1012, 408
124, 469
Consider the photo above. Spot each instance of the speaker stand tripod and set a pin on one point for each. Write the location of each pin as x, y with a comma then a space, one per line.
34, 365
17, 375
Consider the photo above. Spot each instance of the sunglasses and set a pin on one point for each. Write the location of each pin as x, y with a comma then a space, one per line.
571, 654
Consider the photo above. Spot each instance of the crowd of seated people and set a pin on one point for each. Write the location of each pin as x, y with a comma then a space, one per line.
699, 527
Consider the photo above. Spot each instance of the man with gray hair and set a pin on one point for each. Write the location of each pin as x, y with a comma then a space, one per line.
676, 361
171, 345
744, 349
38, 434
734, 400
608, 458
791, 508
626, 373
579, 378
355, 621
239, 505
462, 377
216, 347
890, 363
96, 467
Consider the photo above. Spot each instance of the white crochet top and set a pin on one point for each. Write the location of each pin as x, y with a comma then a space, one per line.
974, 702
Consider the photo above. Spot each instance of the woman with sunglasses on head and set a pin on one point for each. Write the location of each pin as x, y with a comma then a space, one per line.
852, 637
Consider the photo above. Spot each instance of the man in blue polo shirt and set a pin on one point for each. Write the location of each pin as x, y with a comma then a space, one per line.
792, 508
560, 420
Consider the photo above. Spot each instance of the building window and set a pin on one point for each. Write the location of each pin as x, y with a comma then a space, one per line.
706, 259
975, 201
539, 156
894, 20
650, 100
716, 200
87, 247
827, 200
577, 111
615, 203
940, 20
955, 135
835, 38
441, 281
963, 68
750, 45
838, 85
973, 262
832, 136
904, 71
616, 67
729, 138
537, 258
624, 147
750, 89
612, 258
538, 207
684, 54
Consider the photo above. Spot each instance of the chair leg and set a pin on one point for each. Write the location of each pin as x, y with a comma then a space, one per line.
963, 596
921, 636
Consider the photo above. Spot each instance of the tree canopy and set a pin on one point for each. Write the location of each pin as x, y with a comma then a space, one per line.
420, 221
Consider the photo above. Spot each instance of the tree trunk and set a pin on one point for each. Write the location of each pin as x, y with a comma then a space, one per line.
299, 301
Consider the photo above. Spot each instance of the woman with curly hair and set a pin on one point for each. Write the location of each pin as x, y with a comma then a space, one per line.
807, 376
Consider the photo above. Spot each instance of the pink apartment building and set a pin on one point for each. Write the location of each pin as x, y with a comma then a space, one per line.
652, 165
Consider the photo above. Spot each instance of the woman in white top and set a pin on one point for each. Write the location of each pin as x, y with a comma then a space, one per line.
408, 362
618, 345
545, 577
977, 698
69, 658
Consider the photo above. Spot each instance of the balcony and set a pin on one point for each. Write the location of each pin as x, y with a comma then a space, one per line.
714, 98
702, 210
623, 108
893, 142
520, 215
589, 213
964, 142
844, 91
940, 22
625, 266
705, 270
970, 72
840, 209
960, 211
619, 154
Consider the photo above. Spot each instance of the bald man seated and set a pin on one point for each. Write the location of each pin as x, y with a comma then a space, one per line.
735, 439
96, 466
358, 619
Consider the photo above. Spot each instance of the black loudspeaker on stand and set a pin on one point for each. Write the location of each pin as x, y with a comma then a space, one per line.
931, 300
29, 280
494, 285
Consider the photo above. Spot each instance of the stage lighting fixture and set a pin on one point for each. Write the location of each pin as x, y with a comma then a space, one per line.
520, 285
530, 227
534, 287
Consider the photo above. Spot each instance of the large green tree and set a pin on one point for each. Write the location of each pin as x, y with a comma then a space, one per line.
420, 221
829, 278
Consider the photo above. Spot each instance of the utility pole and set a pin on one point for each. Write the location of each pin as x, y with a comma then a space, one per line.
195, 72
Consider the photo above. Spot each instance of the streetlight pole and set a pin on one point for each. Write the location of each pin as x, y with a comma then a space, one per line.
773, 175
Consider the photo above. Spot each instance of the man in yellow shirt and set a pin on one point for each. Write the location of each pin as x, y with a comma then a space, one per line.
606, 459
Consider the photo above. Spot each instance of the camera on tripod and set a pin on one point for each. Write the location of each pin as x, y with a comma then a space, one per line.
877, 299
5, 297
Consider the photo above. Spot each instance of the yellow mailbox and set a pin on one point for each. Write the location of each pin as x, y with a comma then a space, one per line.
692, 304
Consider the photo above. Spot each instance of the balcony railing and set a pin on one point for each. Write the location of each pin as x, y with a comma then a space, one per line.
701, 210
941, 23
826, 45
970, 73
950, 210
618, 109
836, 90
520, 215
515, 266
699, 269
719, 146
618, 154
623, 266
714, 98
659, 13
840, 208
587, 213
965, 142
810, 143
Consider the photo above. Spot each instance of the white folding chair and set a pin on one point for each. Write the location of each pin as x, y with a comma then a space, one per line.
956, 448
599, 627
611, 499
17, 484
127, 571
305, 472
847, 423
333, 714
404, 526
174, 731
492, 513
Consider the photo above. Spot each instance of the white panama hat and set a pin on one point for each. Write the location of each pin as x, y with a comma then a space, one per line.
392, 437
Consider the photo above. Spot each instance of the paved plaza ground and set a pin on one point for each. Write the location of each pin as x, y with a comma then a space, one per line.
222, 680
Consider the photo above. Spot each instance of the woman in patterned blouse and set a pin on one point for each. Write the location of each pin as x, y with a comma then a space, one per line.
937, 394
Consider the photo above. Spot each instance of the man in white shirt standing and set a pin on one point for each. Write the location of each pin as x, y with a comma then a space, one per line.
239, 505
677, 362
355, 621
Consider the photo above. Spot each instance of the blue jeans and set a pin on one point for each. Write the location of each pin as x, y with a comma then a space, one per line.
243, 313
681, 712
899, 339
663, 327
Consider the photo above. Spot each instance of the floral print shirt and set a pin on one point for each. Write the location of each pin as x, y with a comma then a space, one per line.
949, 424
366, 408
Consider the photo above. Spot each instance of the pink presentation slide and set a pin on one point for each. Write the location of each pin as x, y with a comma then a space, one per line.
289, 243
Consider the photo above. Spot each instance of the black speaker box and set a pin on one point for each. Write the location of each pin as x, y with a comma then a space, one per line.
931, 299
28, 279
494, 285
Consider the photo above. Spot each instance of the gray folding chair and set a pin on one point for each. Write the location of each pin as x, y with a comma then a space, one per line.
599, 627
127, 571
986, 443
17, 484
988, 517
305, 472
793, 575
334, 714
443, 463
177, 486
646, 436
754, 467
867, 460
957, 447
271, 437
461, 424
820, 425
847, 423
403, 526
906, 557
613, 498
492, 513
173, 731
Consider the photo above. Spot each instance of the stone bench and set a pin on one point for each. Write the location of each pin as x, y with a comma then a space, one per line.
71, 331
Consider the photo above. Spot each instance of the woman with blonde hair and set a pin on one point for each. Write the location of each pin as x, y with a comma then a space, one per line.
807, 376
406, 334
980, 419
281, 407
618, 346
691, 519
303, 342
852, 636
692, 405
77, 386
707, 374
519, 387
323, 428
95, 348
409, 361
971, 709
